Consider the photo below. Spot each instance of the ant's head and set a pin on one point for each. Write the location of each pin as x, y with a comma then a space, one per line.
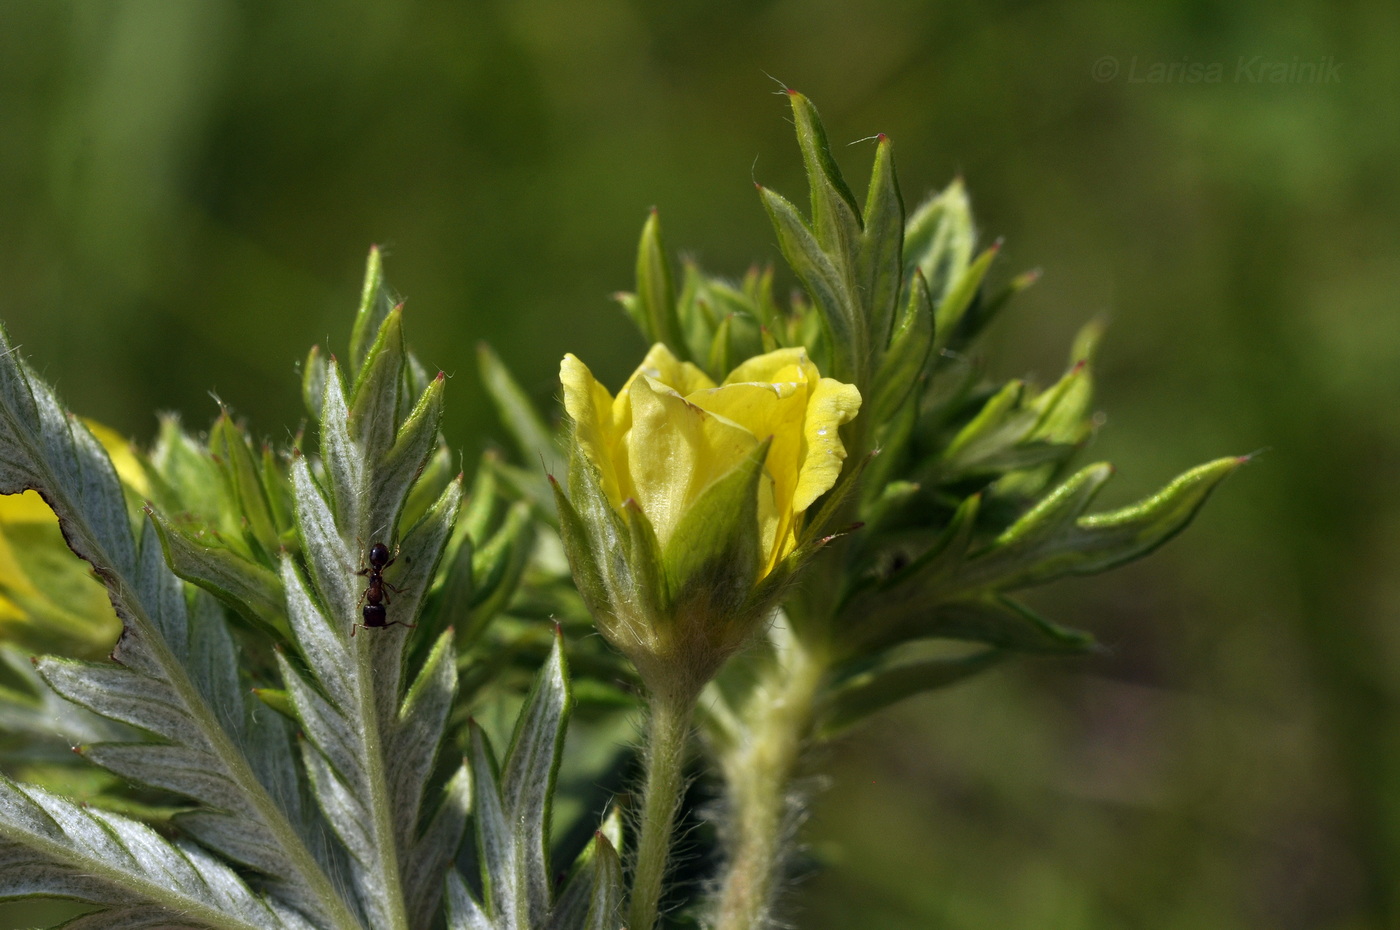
378, 555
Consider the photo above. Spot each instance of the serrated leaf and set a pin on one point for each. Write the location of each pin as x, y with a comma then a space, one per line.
106, 859
1098, 542
247, 586
880, 684
511, 805
592, 897
463, 913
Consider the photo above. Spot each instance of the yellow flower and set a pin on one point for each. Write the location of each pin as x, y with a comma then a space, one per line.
684, 517
671, 433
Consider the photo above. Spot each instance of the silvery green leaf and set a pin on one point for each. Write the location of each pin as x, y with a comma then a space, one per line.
418, 557
463, 913
331, 563
346, 469
511, 806
414, 742
592, 896
357, 752
165, 595
106, 859
436, 849
51, 724
532, 763
43, 447
503, 881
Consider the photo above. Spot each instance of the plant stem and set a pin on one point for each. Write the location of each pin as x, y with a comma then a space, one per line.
759, 772
667, 734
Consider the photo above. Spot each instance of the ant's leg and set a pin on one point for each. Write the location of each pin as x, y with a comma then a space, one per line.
354, 628
392, 587
411, 626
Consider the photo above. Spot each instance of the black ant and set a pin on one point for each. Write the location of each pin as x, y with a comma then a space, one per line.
375, 596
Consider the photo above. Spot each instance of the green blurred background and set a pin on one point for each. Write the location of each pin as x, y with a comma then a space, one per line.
188, 189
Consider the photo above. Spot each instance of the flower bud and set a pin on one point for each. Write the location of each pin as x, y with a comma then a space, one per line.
686, 496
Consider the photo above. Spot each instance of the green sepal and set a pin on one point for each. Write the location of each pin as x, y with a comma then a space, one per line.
712, 559
875, 685
578, 541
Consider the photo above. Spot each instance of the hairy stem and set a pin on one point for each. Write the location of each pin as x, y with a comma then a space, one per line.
667, 733
759, 772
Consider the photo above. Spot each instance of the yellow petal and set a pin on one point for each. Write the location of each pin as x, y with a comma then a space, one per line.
675, 450
775, 411
833, 404
590, 406
778, 365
